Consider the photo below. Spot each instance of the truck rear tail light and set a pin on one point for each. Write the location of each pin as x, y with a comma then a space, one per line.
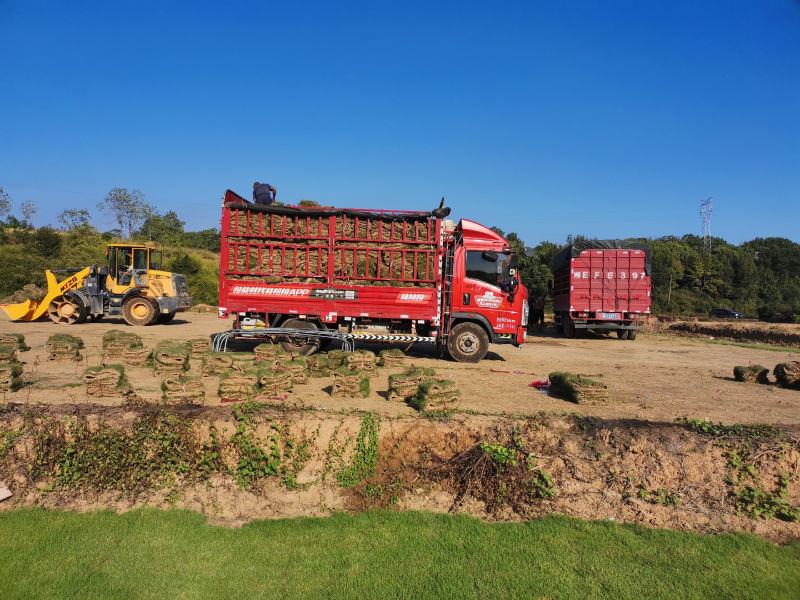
222, 312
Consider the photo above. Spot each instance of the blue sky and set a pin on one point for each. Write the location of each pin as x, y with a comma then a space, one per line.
606, 118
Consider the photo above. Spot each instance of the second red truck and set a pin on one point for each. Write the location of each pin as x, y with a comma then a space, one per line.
601, 285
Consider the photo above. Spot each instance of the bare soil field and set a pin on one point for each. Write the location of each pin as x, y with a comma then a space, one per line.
657, 378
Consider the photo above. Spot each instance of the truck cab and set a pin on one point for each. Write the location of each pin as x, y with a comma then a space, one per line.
489, 302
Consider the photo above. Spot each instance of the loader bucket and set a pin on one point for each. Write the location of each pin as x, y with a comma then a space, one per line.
22, 311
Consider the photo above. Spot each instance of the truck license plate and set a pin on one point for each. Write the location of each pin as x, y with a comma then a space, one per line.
609, 315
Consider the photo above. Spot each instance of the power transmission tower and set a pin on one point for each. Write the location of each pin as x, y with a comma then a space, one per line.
706, 207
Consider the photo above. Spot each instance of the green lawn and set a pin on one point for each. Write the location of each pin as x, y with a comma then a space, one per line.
175, 554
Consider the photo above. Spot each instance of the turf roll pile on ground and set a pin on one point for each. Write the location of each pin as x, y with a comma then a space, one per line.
362, 360
267, 353
10, 377
171, 356
337, 358
136, 357
239, 385
8, 354
393, 357
350, 384
106, 381
319, 365
404, 386
751, 374
182, 389
436, 394
297, 368
787, 374
62, 346
14, 339
577, 388
116, 343
272, 384
198, 347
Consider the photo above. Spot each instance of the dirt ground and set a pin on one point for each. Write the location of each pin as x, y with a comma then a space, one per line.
658, 377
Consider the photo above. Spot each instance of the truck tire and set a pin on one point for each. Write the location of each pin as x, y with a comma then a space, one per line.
139, 311
467, 343
560, 326
631, 334
623, 334
302, 346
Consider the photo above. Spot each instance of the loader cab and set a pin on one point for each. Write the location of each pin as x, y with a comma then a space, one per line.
129, 265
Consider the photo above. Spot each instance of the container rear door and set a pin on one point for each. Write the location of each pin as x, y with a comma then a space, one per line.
610, 281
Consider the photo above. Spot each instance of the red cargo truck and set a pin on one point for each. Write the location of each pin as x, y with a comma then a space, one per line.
602, 285
374, 275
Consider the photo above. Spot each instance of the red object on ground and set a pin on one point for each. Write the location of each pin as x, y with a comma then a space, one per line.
540, 384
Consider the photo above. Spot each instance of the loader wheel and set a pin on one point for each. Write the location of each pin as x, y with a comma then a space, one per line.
95, 318
467, 342
623, 334
139, 311
299, 345
68, 311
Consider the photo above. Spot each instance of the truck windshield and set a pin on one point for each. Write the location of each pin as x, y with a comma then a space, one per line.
480, 265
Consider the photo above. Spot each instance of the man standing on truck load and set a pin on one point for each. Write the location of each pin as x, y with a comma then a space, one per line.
264, 193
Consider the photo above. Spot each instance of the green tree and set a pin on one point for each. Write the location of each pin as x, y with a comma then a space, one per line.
164, 229
28, 209
5, 203
127, 208
73, 218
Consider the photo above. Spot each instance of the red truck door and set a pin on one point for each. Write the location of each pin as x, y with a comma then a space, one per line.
477, 291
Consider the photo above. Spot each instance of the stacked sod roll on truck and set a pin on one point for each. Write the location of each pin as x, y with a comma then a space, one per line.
376, 275
601, 286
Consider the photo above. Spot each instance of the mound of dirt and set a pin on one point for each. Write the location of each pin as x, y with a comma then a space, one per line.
28, 292
766, 333
260, 462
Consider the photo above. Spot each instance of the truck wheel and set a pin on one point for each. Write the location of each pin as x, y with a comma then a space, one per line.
468, 343
166, 317
623, 334
560, 326
139, 311
302, 346
631, 334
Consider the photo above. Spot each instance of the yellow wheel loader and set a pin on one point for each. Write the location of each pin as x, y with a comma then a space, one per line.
132, 285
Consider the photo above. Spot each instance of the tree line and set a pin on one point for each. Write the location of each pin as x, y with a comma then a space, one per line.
760, 278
